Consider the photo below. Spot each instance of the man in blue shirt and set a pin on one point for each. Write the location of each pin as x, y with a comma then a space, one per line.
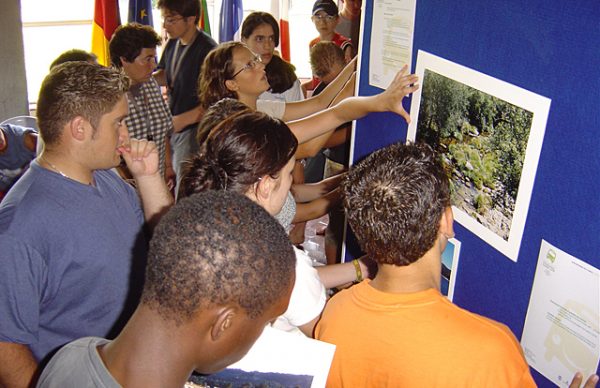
73, 246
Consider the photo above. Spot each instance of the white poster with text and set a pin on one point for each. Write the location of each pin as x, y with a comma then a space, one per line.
561, 330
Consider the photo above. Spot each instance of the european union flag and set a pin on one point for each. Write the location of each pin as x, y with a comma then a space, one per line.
232, 13
140, 11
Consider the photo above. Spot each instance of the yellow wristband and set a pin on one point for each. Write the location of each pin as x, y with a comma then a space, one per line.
359, 276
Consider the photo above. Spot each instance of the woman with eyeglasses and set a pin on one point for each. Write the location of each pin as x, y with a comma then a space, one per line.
233, 70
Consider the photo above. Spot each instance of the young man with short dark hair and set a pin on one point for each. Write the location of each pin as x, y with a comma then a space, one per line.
71, 230
398, 330
178, 70
219, 269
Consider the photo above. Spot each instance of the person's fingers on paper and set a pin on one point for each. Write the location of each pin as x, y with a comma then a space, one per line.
591, 382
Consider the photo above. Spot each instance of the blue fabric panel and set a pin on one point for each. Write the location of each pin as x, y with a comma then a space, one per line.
550, 48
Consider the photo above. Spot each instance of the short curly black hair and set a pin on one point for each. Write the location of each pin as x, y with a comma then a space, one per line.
394, 201
216, 248
128, 41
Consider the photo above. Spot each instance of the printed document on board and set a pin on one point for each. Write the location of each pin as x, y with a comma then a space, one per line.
561, 330
392, 31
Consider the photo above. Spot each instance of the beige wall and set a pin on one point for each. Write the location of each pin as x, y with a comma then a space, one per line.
13, 85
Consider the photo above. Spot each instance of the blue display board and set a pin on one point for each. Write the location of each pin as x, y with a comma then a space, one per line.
551, 48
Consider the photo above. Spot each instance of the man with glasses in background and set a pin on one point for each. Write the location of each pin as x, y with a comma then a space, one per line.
178, 70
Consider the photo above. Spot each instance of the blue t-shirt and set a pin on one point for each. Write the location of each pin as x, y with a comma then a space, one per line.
72, 258
15, 159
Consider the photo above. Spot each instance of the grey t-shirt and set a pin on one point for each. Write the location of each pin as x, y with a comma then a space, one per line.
78, 364
287, 212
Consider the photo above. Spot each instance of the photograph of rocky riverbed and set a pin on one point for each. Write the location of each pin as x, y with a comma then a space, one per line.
482, 140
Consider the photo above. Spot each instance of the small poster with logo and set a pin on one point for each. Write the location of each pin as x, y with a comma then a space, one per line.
561, 333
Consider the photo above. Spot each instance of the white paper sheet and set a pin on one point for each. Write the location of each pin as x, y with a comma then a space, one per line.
279, 358
392, 32
561, 333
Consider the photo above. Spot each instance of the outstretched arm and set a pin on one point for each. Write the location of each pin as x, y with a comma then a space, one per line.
353, 108
317, 207
306, 192
141, 157
299, 109
311, 147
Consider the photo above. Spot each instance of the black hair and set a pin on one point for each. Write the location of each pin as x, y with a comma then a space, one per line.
214, 249
280, 74
238, 152
128, 41
185, 8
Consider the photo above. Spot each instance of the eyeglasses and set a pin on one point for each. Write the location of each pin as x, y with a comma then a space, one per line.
170, 20
249, 66
324, 18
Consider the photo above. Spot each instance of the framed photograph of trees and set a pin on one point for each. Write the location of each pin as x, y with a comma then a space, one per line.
489, 134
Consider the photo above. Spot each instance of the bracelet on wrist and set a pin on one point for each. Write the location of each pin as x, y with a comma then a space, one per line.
359, 275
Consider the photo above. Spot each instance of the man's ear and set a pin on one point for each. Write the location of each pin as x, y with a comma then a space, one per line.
77, 128
123, 60
447, 223
223, 322
231, 85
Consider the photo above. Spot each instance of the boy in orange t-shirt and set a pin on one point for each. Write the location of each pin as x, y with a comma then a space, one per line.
398, 330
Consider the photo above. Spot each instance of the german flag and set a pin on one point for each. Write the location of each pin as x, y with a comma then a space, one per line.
106, 21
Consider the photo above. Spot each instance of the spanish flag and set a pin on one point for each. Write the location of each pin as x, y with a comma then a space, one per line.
106, 21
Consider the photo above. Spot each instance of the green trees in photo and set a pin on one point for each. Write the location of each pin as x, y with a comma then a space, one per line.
482, 138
